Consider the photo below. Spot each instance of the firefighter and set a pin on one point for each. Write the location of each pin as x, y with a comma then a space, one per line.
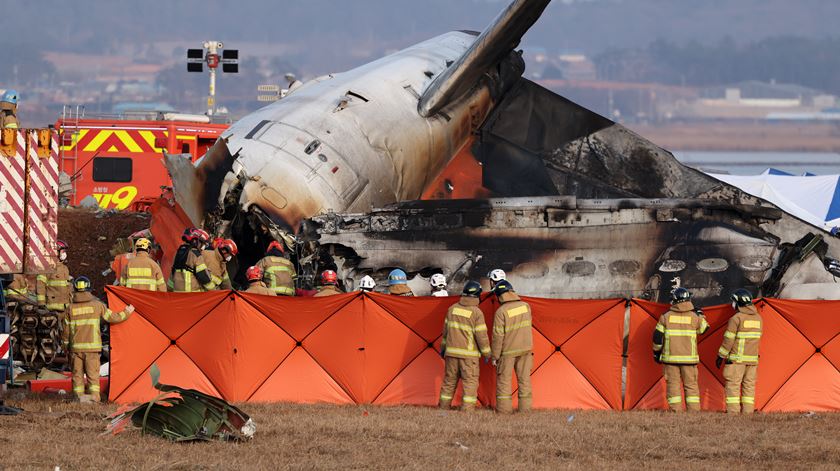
17, 289
217, 258
254, 275
398, 283
740, 353
675, 346
140, 271
496, 276
8, 110
512, 348
438, 284
189, 271
464, 341
82, 337
329, 284
278, 272
53, 290
367, 284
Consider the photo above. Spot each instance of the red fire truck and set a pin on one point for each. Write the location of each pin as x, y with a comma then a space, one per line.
117, 159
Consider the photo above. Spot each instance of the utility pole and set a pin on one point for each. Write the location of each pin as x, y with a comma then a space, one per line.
196, 58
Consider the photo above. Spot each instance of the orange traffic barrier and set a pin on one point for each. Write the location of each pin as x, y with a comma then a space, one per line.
371, 348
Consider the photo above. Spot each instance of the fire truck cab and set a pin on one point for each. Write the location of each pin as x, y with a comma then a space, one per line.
117, 159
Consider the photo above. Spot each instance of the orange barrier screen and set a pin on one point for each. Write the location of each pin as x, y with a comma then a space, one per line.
371, 348
798, 370
352, 348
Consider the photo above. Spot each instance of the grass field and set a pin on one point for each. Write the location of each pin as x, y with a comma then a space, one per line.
54, 432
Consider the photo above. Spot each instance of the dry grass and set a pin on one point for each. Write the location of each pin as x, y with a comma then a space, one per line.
57, 433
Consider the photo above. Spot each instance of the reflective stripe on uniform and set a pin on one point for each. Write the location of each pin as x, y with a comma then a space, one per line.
78, 322
284, 290
515, 352
680, 319
680, 333
87, 346
748, 335
459, 326
140, 272
692, 399
461, 312
469, 399
462, 351
110, 316
752, 324
517, 311
733, 400
748, 400
56, 306
83, 310
680, 358
446, 397
509, 396
674, 399
729, 335
61, 283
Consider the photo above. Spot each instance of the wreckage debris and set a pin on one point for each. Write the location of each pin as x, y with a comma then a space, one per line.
184, 415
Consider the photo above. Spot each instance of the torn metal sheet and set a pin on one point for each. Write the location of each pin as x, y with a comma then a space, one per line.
185, 415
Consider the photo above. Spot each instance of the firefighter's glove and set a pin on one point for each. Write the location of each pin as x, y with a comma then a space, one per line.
719, 361
657, 356
699, 312
442, 352
129, 309
494, 362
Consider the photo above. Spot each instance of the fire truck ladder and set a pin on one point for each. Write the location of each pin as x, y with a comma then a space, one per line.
70, 116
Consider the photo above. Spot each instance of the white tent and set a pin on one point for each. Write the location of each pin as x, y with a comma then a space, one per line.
812, 198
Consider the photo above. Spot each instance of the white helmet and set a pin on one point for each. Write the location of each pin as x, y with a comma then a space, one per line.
367, 283
438, 281
497, 275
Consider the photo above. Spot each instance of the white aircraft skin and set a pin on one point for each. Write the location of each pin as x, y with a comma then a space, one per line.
370, 114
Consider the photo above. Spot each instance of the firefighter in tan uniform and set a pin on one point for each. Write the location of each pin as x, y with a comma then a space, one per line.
675, 346
83, 339
17, 289
278, 272
8, 110
329, 284
512, 347
740, 353
140, 271
189, 271
464, 341
255, 282
216, 260
53, 290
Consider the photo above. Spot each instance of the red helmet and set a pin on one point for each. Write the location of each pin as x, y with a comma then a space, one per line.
328, 277
202, 235
275, 245
254, 273
226, 245
61, 245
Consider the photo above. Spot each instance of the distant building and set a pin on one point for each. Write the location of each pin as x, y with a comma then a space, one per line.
754, 100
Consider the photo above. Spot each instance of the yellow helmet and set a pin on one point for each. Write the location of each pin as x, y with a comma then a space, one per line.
143, 244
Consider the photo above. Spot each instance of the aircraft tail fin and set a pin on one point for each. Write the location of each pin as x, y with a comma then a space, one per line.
491, 46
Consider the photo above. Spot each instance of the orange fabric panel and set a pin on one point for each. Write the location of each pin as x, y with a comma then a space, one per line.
135, 345
300, 379
818, 321
782, 351
595, 351
560, 319
712, 394
172, 313
167, 226
175, 368
417, 384
557, 384
298, 316
814, 387
643, 373
831, 351
245, 356
423, 315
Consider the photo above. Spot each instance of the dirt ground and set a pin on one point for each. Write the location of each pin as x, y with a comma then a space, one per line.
90, 235
53, 432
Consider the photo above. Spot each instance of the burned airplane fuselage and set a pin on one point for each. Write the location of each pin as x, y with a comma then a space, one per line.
636, 222
560, 246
